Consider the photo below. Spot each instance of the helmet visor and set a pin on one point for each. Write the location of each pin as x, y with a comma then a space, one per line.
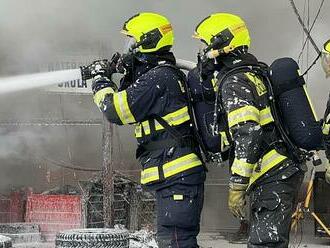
325, 58
129, 45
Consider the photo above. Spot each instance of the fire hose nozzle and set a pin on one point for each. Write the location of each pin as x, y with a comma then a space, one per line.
110, 67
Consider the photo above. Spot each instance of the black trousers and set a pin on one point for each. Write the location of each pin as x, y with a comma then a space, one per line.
179, 209
272, 205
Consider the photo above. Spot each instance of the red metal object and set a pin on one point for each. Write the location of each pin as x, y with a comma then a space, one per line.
54, 213
12, 208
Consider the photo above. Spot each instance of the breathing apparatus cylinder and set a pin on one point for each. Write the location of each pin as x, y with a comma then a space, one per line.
295, 108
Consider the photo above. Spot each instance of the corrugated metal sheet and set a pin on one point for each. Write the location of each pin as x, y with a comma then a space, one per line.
11, 208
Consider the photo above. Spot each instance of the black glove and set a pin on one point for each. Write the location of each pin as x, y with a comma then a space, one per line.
104, 68
125, 64
206, 67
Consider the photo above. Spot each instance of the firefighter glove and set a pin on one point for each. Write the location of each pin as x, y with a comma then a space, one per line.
236, 199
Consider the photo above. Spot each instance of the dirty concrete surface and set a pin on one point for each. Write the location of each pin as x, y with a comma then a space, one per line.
215, 240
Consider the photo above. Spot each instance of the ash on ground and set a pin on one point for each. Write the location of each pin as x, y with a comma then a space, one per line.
143, 239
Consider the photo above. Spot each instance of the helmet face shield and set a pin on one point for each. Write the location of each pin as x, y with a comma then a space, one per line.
129, 45
325, 58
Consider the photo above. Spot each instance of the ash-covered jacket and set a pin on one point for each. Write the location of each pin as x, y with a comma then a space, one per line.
157, 91
251, 125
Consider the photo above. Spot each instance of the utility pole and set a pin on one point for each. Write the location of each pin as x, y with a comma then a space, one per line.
107, 177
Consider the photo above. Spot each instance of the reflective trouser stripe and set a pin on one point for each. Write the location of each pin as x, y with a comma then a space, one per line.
269, 160
149, 175
242, 168
171, 168
243, 114
326, 129
173, 119
266, 116
250, 113
122, 107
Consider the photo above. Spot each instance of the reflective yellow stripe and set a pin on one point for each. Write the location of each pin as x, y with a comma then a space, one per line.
260, 87
326, 129
243, 114
149, 175
173, 119
171, 168
181, 164
250, 113
122, 108
310, 102
242, 168
266, 116
138, 130
214, 83
268, 161
224, 138
101, 94
178, 197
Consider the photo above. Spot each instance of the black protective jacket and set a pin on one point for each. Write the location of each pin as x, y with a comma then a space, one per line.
157, 91
258, 150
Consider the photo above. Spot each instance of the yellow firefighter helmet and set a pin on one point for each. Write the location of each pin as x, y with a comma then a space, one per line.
152, 32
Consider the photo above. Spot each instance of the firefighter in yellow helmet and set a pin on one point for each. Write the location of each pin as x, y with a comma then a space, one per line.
325, 58
326, 133
260, 165
325, 61
151, 97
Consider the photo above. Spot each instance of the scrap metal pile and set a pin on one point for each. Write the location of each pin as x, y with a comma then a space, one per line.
133, 207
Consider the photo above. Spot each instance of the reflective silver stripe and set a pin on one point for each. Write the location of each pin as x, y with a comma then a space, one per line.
181, 164
266, 116
173, 119
326, 129
171, 168
149, 175
122, 108
268, 161
242, 168
243, 114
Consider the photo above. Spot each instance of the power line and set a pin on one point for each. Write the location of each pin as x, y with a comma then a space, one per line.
304, 26
71, 166
310, 30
